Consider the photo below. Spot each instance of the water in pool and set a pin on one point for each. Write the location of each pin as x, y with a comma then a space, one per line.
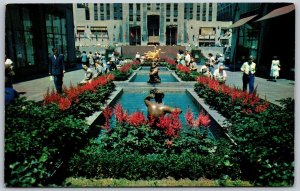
134, 101
147, 68
145, 78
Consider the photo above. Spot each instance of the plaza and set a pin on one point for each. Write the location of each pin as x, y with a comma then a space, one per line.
213, 133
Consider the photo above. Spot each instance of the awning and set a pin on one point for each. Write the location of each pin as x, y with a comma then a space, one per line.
278, 12
242, 21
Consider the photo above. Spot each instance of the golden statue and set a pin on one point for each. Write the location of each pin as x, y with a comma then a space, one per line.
153, 55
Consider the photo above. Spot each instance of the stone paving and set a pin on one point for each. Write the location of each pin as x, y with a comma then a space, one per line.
272, 91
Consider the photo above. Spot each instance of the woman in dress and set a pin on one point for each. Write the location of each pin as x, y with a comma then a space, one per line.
275, 67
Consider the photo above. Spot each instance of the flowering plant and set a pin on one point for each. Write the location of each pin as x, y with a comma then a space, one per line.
74, 96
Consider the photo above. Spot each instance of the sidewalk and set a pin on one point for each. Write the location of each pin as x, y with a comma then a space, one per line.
272, 91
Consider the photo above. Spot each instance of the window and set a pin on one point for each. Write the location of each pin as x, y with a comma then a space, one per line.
107, 11
168, 10
204, 12
210, 12
96, 11
198, 11
87, 13
188, 11
175, 9
118, 11
130, 11
138, 12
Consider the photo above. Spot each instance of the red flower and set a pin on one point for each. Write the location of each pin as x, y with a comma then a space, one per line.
110, 77
261, 108
202, 120
169, 143
137, 119
107, 112
121, 116
51, 98
125, 68
170, 124
183, 69
64, 103
151, 120
189, 118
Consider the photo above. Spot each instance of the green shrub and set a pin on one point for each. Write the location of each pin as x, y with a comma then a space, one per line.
36, 139
143, 153
264, 138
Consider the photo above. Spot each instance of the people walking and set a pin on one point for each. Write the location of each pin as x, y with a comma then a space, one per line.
84, 58
211, 62
88, 75
275, 67
57, 69
248, 69
9, 72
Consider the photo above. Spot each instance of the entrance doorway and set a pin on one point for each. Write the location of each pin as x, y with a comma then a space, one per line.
135, 35
153, 29
171, 35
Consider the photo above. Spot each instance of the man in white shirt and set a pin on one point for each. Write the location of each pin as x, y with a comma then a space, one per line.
220, 75
248, 69
138, 56
187, 58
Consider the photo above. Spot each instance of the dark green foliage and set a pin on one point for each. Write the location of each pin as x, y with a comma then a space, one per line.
187, 76
39, 139
265, 140
36, 138
122, 76
143, 153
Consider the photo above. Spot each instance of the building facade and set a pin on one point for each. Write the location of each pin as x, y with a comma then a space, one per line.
107, 24
32, 30
262, 39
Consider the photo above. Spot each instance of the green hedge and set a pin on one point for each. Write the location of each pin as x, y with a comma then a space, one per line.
40, 138
265, 139
142, 153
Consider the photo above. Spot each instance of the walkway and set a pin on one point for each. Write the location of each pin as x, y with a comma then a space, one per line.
272, 91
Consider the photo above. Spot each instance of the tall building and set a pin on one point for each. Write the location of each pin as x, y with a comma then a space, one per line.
106, 24
32, 30
262, 30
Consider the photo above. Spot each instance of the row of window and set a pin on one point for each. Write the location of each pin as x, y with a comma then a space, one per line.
117, 7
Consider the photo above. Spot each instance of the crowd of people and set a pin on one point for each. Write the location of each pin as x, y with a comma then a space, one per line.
214, 67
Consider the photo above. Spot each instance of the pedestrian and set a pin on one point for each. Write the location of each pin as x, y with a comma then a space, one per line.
91, 59
193, 65
211, 62
187, 58
57, 69
138, 56
248, 69
275, 67
10, 93
220, 75
84, 58
100, 70
88, 74
220, 60
9, 72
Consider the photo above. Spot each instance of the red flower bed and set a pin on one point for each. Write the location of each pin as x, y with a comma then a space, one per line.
169, 124
183, 69
247, 100
125, 68
72, 93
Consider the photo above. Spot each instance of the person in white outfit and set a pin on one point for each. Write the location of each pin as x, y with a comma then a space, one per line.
275, 67
220, 75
